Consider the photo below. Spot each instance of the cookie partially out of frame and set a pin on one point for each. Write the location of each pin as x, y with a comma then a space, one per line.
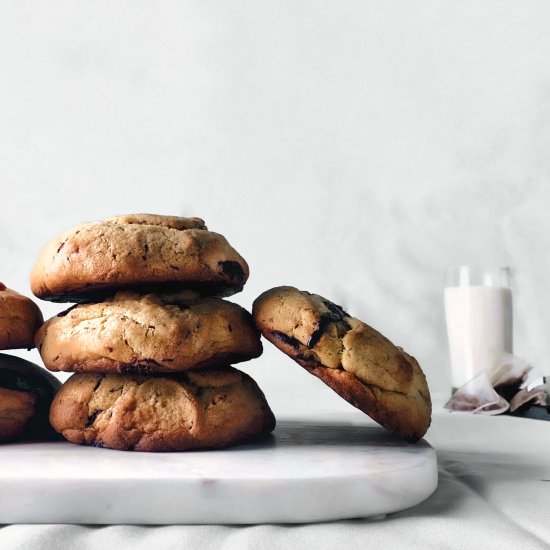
148, 333
139, 251
356, 361
26, 391
205, 408
19, 319
16, 409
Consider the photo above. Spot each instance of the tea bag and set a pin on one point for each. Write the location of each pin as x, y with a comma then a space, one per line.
510, 385
538, 395
509, 371
478, 396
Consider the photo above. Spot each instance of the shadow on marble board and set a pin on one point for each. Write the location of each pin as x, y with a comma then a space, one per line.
297, 433
475, 469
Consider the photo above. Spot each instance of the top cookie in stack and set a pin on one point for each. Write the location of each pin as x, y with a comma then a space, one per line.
150, 287
144, 251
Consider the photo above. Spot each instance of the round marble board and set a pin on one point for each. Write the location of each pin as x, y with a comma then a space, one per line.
307, 471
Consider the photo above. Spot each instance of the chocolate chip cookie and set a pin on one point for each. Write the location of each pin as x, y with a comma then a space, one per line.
206, 408
148, 333
356, 361
19, 319
140, 251
26, 391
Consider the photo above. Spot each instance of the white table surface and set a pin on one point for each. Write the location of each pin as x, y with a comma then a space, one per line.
494, 492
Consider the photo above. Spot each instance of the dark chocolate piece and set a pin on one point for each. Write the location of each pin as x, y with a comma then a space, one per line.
92, 417
335, 315
285, 338
233, 270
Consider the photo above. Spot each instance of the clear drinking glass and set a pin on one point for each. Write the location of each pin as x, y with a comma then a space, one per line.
478, 311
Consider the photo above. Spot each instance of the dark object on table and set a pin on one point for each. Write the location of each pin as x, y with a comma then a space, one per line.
509, 390
525, 403
27, 391
537, 412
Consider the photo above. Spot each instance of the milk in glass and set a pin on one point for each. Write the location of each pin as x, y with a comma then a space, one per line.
479, 323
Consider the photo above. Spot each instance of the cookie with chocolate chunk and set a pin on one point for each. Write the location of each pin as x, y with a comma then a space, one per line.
19, 319
26, 391
356, 361
205, 408
148, 333
141, 251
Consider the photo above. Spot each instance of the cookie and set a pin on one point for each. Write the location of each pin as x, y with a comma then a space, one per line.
356, 361
16, 409
141, 251
19, 319
26, 391
148, 333
207, 408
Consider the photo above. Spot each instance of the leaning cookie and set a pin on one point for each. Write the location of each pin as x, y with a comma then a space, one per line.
148, 333
208, 408
145, 251
19, 319
355, 360
26, 391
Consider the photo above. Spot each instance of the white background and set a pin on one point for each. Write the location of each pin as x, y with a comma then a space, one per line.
354, 149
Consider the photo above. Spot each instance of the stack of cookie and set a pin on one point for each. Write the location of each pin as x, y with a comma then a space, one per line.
150, 338
26, 390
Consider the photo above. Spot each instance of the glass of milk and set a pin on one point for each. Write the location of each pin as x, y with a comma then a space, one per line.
478, 310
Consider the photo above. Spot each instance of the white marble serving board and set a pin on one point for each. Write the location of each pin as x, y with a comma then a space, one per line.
307, 471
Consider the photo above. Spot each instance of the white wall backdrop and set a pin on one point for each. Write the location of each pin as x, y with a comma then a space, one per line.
350, 148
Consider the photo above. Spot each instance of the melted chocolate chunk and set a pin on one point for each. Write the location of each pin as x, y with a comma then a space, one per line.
146, 366
285, 338
233, 270
92, 417
335, 314
98, 383
322, 326
336, 310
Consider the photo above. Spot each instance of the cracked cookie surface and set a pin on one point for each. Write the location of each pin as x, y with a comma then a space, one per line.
19, 319
137, 251
356, 361
148, 333
206, 408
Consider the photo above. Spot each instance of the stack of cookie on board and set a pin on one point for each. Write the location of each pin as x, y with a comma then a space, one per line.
150, 338
150, 341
